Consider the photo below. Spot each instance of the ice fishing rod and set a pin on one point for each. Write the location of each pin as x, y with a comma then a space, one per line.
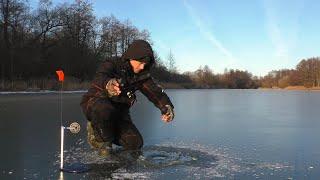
73, 128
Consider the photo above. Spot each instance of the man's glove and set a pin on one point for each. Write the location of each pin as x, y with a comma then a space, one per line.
167, 113
113, 88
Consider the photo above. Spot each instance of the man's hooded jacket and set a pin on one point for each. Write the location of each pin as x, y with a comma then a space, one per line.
130, 82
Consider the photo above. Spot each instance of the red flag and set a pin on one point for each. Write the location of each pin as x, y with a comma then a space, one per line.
60, 75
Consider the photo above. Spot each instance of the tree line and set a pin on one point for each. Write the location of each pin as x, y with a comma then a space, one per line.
306, 73
204, 77
34, 42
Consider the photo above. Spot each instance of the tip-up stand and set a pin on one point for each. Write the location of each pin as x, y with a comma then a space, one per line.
75, 167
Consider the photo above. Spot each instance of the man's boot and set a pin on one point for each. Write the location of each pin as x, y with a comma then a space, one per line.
91, 138
104, 148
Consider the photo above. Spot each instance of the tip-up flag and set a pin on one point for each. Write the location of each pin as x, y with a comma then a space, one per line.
60, 75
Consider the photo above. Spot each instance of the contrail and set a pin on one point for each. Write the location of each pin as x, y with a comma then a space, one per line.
275, 32
284, 43
209, 35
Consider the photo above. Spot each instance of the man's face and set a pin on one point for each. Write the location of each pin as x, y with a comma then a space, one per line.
137, 66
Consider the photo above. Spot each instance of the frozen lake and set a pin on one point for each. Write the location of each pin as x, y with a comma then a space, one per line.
217, 134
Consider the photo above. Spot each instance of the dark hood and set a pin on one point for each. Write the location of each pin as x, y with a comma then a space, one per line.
139, 50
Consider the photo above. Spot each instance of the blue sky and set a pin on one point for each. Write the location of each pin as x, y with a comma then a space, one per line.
254, 35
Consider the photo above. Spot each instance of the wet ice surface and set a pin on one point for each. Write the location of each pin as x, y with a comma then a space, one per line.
166, 160
170, 160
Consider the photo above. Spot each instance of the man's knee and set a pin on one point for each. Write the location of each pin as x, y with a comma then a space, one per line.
103, 110
102, 118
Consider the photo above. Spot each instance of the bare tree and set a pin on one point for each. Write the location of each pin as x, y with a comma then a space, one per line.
14, 23
171, 62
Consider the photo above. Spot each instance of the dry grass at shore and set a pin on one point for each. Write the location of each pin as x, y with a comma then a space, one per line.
43, 84
302, 88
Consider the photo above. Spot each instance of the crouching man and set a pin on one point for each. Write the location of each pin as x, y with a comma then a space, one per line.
106, 104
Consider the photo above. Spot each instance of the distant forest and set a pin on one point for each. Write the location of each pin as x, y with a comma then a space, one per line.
306, 73
35, 42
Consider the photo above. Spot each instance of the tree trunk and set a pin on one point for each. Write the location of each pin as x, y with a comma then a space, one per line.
6, 23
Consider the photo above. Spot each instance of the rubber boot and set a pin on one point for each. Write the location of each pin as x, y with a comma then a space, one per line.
92, 141
106, 149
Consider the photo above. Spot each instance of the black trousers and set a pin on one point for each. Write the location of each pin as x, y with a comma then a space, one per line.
111, 122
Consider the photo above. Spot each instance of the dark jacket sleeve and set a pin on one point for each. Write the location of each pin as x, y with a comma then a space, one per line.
155, 94
103, 75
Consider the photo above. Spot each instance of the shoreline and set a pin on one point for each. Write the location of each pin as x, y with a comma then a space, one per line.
41, 92
292, 88
83, 91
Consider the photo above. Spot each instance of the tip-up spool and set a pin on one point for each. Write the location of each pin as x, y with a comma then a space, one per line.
74, 127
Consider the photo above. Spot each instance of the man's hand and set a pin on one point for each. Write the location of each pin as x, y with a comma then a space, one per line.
113, 88
167, 115
166, 118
